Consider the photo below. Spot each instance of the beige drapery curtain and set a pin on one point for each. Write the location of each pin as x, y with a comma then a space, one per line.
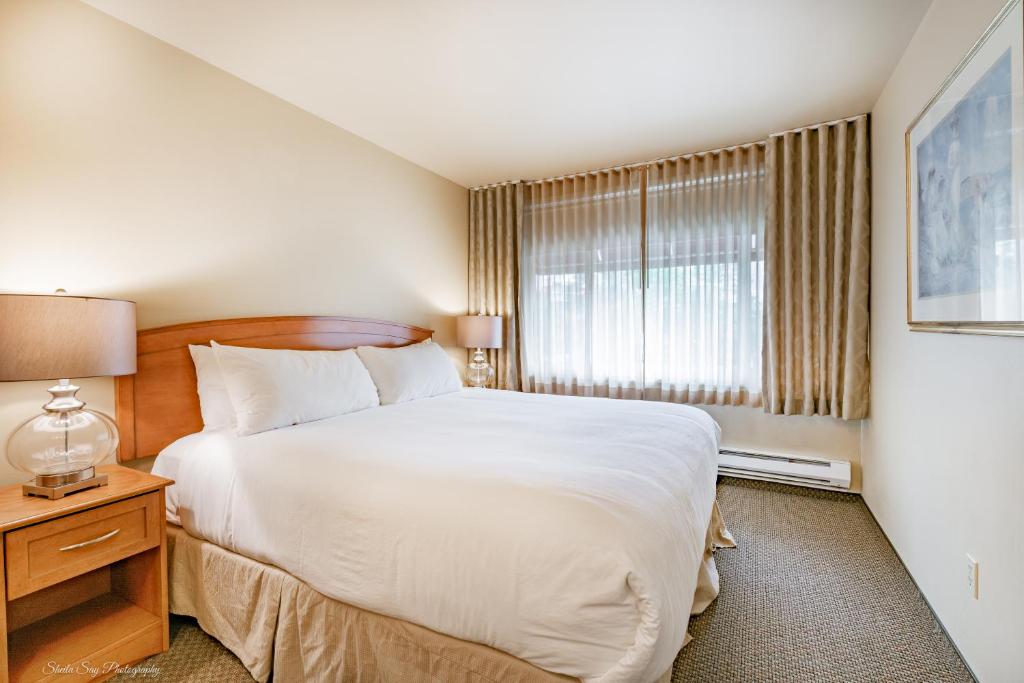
705, 273
495, 221
818, 245
582, 290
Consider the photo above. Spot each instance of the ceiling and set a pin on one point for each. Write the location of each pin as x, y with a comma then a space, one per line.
481, 91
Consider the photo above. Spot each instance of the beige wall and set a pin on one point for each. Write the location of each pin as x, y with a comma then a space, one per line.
131, 169
944, 450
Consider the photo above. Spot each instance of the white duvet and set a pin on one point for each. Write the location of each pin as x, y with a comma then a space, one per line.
565, 531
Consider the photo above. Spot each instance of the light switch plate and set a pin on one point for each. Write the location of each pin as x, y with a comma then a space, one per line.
972, 576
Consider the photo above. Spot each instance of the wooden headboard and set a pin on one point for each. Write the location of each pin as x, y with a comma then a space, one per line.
159, 403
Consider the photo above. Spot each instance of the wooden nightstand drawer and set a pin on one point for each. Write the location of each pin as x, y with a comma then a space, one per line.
50, 552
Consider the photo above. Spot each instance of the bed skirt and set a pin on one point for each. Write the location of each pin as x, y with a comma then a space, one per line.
276, 624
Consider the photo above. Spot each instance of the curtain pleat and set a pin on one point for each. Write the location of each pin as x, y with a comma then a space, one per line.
818, 244
705, 271
581, 299
495, 221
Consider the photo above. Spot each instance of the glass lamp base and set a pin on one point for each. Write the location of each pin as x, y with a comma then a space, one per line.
479, 372
61, 447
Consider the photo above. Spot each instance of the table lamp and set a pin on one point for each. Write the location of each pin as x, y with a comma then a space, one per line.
479, 332
54, 337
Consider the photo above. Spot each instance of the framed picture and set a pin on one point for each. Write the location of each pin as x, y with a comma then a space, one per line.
965, 192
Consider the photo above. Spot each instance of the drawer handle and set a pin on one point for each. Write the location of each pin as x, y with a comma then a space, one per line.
94, 541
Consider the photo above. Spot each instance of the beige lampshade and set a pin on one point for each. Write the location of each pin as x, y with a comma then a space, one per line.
479, 331
60, 337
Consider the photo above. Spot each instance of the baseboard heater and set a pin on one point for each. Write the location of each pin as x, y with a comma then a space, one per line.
787, 469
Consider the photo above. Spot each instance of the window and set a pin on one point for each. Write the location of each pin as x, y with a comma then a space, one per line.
705, 272
581, 285
647, 282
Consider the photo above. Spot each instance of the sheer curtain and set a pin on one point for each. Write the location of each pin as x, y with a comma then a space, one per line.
705, 277
581, 289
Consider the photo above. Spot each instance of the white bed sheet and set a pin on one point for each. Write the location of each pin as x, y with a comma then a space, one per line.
565, 531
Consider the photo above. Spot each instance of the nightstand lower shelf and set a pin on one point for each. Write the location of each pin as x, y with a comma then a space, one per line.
79, 640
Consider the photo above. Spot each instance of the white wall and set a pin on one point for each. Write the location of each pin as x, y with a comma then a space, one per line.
131, 169
943, 452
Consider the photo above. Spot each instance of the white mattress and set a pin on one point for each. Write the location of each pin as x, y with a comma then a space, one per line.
565, 531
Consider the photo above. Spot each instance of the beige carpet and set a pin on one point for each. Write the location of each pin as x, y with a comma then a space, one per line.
814, 593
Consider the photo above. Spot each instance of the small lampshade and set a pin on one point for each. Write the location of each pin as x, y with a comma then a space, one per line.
55, 336
479, 331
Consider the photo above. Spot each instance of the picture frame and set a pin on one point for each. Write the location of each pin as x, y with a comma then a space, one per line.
965, 191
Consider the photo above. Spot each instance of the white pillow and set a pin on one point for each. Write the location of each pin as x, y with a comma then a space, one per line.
410, 372
214, 402
271, 388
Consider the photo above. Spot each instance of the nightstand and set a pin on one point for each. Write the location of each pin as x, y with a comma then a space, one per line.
84, 579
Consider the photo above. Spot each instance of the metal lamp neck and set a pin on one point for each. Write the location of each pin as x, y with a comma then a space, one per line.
64, 399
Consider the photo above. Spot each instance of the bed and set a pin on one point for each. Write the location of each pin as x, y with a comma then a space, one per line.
476, 535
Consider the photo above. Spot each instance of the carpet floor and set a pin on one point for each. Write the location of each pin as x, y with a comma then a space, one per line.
813, 592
